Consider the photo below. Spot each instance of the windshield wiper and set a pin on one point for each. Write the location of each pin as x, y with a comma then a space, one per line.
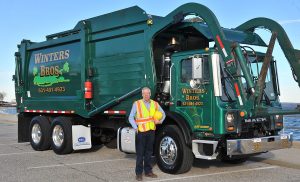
268, 101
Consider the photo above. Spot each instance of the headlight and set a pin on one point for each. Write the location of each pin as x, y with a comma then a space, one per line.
229, 118
278, 117
278, 121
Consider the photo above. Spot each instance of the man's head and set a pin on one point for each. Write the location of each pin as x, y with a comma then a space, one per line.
146, 93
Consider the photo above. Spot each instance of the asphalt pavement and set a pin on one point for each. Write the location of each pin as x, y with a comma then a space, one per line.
19, 162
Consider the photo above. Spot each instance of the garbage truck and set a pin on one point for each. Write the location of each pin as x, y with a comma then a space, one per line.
219, 91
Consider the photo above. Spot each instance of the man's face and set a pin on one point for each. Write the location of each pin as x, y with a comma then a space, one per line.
146, 95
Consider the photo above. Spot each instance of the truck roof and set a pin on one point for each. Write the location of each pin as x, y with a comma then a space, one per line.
128, 17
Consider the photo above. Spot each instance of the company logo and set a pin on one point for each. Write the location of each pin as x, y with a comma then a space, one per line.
255, 120
81, 139
53, 56
49, 68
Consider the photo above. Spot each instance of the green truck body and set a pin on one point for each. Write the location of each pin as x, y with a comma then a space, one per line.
217, 101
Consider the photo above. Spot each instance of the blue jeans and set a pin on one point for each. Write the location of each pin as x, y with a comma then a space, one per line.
144, 151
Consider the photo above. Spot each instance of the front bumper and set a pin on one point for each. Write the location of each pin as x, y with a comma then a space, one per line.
259, 145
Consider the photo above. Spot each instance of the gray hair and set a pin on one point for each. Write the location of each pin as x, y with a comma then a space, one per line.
146, 88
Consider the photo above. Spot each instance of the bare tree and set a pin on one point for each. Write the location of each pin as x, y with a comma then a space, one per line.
2, 95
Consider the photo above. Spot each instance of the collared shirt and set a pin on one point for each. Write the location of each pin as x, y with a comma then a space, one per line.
133, 113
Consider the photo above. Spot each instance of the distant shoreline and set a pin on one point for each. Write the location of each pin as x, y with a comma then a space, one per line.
8, 105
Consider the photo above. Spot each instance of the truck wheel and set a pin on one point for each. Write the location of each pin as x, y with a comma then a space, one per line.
172, 154
61, 142
112, 144
39, 129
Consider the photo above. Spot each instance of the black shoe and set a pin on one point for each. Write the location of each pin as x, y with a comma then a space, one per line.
139, 177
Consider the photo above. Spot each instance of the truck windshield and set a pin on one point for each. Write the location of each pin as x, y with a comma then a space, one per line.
254, 66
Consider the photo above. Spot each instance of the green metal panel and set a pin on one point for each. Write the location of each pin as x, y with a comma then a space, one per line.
232, 35
119, 64
117, 19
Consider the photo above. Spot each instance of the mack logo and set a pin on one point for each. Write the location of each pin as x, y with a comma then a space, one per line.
81, 139
255, 120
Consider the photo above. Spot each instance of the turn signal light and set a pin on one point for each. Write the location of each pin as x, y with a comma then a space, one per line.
230, 128
279, 124
88, 88
242, 113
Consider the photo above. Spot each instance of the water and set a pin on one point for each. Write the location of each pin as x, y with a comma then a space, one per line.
8, 110
291, 122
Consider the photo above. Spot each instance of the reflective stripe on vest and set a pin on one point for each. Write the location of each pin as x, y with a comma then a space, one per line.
144, 117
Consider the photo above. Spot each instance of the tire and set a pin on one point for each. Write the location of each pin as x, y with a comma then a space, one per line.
61, 135
183, 161
39, 130
112, 144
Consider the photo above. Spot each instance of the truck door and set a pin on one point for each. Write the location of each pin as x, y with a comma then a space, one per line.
193, 103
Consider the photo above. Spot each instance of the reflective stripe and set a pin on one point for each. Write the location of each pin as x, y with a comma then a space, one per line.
143, 120
139, 109
144, 127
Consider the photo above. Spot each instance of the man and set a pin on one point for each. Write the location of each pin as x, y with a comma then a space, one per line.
141, 119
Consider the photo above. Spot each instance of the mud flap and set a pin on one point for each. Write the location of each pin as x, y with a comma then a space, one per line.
23, 128
81, 136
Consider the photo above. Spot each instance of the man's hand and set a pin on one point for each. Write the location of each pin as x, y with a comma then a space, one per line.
157, 122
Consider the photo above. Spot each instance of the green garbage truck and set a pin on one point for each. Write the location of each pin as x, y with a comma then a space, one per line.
219, 92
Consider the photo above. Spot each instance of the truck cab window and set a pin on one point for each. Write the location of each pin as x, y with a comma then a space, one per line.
186, 70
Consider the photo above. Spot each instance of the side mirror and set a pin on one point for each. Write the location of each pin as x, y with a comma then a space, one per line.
197, 68
197, 72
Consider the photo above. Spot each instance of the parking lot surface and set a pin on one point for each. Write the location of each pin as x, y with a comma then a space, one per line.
19, 162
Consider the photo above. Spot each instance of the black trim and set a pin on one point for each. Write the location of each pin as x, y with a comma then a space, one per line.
119, 136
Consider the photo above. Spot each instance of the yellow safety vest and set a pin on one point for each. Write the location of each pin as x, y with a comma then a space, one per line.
144, 117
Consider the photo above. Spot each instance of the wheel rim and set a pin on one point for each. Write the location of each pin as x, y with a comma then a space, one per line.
36, 133
58, 135
168, 150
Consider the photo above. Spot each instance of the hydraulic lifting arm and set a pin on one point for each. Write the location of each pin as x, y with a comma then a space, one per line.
291, 54
224, 46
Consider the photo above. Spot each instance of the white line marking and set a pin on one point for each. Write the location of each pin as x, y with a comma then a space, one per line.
73, 164
20, 153
211, 174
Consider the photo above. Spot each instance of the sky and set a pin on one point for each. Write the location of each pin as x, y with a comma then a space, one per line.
33, 20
